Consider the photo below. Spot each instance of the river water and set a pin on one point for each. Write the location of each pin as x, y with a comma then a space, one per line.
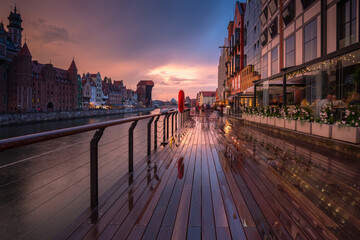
45, 186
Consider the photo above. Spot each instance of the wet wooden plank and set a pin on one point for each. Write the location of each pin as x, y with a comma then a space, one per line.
207, 214
193, 233
223, 233
165, 232
154, 224
136, 232
218, 204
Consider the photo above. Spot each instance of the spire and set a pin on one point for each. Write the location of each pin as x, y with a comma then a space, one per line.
72, 66
25, 51
15, 10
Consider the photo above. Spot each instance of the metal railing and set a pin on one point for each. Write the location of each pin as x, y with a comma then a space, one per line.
17, 142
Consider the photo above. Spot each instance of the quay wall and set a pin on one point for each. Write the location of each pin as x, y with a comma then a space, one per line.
21, 118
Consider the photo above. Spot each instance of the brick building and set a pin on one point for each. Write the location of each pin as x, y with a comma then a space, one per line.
144, 89
29, 86
34, 87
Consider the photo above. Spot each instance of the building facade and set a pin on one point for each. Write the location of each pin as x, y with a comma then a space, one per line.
310, 52
144, 90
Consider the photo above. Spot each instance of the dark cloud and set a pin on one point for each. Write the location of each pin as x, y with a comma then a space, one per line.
48, 33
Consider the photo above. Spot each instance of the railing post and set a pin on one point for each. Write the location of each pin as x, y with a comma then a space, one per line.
149, 136
167, 127
164, 129
164, 142
155, 131
172, 124
176, 121
131, 146
94, 199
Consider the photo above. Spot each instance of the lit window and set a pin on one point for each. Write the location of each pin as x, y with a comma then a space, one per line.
265, 66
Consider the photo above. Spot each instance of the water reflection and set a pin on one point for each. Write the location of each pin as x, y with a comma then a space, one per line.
180, 165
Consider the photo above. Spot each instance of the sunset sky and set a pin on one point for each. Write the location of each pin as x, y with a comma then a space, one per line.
173, 42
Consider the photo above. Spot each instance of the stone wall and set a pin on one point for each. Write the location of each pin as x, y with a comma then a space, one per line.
13, 119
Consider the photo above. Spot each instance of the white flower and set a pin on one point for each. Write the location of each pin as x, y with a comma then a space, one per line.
343, 122
353, 113
356, 124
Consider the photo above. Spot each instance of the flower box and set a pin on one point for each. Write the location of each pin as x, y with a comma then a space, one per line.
321, 129
264, 120
271, 121
345, 133
302, 126
280, 122
244, 116
290, 124
257, 118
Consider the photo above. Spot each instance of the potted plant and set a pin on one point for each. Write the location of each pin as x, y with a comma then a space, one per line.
271, 117
265, 111
279, 120
304, 123
348, 129
289, 122
323, 125
256, 114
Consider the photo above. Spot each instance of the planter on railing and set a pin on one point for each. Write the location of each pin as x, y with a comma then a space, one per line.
344, 133
264, 120
321, 129
302, 126
257, 118
290, 124
271, 121
280, 122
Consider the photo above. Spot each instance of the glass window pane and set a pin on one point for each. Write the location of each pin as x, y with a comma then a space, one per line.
310, 50
353, 9
290, 59
290, 44
347, 11
310, 30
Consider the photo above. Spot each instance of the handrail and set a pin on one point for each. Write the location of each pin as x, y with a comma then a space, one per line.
14, 142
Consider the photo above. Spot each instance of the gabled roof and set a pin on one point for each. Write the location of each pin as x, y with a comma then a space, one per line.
24, 51
73, 66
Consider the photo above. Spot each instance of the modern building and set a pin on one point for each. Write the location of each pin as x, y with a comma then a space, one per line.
310, 51
144, 89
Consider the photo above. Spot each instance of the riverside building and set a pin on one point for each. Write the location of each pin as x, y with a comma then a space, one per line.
310, 52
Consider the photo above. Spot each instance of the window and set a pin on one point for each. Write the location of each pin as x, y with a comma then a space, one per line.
310, 41
273, 6
264, 16
290, 51
306, 3
245, 60
273, 29
264, 38
288, 13
265, 66
274, 61
346, 23
245, 36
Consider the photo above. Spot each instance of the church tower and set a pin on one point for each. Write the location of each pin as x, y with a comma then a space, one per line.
15, 29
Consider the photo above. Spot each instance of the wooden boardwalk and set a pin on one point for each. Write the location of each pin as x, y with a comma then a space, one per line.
228, 181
